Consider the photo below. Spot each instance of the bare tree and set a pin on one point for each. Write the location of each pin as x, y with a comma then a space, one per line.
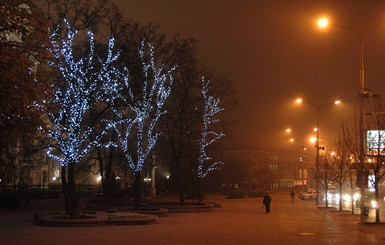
80, 14
341, 163
325, 175
374, 166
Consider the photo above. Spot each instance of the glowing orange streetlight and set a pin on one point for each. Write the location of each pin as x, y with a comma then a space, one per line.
323, 22
317, 107
313, 140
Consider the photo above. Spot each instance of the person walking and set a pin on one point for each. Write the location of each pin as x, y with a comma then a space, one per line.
266, 201
292, 194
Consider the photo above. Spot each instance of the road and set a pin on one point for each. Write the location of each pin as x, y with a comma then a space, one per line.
236, 222
346, 206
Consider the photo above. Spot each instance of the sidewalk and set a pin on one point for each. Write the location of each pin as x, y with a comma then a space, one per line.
237, 222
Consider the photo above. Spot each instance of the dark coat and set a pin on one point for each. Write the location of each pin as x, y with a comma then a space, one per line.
266, 200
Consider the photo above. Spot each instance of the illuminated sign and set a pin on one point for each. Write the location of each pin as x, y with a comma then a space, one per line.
375, 142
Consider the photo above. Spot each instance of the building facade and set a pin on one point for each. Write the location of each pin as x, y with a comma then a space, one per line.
251, 169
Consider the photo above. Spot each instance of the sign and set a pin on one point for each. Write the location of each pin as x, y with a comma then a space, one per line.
375, 142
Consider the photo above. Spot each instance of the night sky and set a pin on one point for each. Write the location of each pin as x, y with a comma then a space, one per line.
273, 52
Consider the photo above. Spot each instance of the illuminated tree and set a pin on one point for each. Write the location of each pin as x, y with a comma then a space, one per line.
208, 136
182, 125
85, 82
136, 128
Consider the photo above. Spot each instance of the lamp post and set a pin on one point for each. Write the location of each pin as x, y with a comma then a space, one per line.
317, 146
323, 23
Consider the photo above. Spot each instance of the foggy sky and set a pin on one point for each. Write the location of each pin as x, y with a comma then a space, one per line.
273, 52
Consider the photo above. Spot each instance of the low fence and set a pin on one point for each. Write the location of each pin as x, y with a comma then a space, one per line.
19, 195
51, 188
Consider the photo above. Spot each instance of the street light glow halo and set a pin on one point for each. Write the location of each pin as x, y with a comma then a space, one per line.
323, 23
313, 139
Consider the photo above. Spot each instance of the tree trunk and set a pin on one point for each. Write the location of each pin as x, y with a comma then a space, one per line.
351, 190
74, 201
65, 189
378, 203
199, 189
70, 196
340, 196
108, 175
180, 186
137, 190
101, 171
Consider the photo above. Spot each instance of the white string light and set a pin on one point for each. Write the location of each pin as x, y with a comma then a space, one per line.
208, 137
83, 86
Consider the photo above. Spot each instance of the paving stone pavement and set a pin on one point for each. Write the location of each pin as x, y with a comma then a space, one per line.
237, 221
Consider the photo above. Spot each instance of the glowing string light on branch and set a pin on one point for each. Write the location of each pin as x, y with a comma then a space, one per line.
85, 82
147, 106
208, 137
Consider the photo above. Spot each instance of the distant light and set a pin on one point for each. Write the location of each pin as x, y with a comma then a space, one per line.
292, 140
299, 100
323, 23
54, 178
99, 178
313, 139
337, 102
374, 204
356, 196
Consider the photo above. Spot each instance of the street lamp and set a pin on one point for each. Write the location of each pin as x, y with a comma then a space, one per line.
289, 132
323, 23
317, 107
